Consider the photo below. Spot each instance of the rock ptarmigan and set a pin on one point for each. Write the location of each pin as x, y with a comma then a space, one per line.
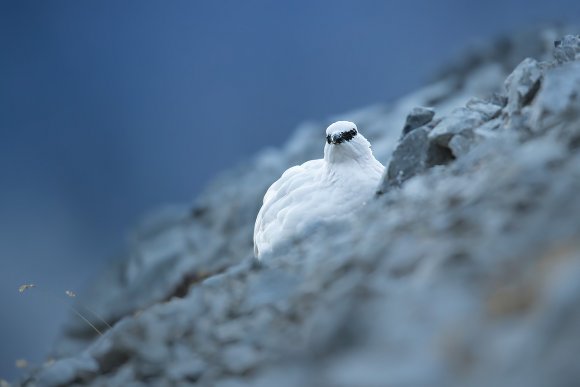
319, 191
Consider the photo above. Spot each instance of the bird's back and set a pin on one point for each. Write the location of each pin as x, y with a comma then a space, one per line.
291, 191
306, 195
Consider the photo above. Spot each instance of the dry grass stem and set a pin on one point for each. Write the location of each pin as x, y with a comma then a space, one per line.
25, 287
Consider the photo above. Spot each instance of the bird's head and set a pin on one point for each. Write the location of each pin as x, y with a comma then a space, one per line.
344, 142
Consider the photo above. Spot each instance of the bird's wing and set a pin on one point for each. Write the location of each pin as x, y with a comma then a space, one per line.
279, 199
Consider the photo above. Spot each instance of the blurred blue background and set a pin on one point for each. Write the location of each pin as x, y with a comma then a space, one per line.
109, 109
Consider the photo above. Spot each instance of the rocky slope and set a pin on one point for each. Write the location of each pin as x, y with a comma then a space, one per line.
464, 270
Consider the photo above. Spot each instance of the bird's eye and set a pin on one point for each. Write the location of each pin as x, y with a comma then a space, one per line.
328, 140
348, 135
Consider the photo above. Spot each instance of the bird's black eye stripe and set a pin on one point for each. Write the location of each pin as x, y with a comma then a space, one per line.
347, 136
344, 136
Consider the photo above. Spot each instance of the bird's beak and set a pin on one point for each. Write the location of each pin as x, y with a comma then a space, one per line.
336, 138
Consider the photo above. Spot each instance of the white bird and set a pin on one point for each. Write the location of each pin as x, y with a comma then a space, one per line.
319, 191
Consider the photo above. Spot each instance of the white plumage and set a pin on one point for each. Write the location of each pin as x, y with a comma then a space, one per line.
319, 191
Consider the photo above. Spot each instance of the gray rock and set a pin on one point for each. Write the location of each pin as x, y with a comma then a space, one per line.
239, 358
558, 101
460, 120
418, 117
271, 286
185, 365
414, 154
453, 136
522, 84
64, 371
488, 108
462, 143
567, 49
231, 382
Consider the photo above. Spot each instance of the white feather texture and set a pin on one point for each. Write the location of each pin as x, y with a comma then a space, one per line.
319, 191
